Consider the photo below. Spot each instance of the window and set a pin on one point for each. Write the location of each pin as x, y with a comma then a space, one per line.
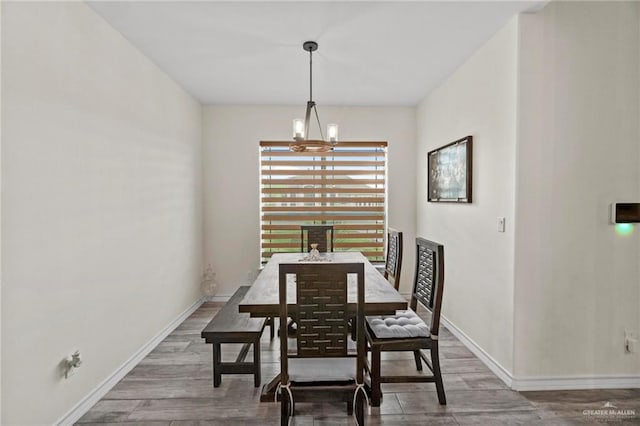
345, 188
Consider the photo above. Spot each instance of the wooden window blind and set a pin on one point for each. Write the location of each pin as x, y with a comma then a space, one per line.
345, 188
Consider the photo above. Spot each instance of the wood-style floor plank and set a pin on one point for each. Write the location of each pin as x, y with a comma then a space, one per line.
515, 418
173, 386
464, 401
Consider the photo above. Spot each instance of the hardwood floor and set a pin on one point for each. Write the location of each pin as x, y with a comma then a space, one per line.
173, 386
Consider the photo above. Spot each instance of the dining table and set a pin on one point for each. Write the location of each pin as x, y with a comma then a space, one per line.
262, 298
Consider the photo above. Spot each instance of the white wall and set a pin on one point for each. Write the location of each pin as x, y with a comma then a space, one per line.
479, 99
101, 204
552, 101
231, 169
577, 281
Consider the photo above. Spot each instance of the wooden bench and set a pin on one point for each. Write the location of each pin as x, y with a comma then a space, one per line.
231, 326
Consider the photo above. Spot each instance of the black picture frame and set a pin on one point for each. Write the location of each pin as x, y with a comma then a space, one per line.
449, 178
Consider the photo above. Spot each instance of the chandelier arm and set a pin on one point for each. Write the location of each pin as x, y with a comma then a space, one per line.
307, 118
318, 120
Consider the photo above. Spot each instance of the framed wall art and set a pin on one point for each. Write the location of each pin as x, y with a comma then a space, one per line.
449, 172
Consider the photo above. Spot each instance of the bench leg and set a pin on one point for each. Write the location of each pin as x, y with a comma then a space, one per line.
217, 358
256, 362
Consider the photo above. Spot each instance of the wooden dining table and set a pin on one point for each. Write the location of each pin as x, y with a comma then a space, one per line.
262, 299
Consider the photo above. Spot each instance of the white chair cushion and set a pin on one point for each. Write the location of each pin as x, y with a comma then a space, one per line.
402, 324
322, 369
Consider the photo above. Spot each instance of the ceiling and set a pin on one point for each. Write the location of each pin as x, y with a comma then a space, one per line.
370, 53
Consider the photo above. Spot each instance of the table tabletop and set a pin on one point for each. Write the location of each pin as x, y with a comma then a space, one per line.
262, 299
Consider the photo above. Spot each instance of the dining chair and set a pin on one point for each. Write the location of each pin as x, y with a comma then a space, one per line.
393, 261
318, 234
317, 367
315, 234
406, 331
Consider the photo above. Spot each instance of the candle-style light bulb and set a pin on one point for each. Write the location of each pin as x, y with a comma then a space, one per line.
298, 128
332, 132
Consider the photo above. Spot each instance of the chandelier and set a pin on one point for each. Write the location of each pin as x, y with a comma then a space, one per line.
301, 128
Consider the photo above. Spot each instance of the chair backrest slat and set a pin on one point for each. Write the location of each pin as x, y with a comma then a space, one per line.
316, 234
429, 280
393, 263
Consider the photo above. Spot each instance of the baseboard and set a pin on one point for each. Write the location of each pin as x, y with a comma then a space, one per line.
101, 390
222, 299
575, 383
542, 383
487, 359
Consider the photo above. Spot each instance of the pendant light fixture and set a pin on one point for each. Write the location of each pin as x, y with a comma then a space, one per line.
301, 128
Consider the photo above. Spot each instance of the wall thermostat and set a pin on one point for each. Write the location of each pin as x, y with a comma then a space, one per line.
625, 212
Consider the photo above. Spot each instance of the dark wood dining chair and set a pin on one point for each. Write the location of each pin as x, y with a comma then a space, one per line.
316, 234
318, 368
406, 331
310, 234
393, 262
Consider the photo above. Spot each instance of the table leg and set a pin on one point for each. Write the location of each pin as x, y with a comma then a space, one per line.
268, 393
217, 359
